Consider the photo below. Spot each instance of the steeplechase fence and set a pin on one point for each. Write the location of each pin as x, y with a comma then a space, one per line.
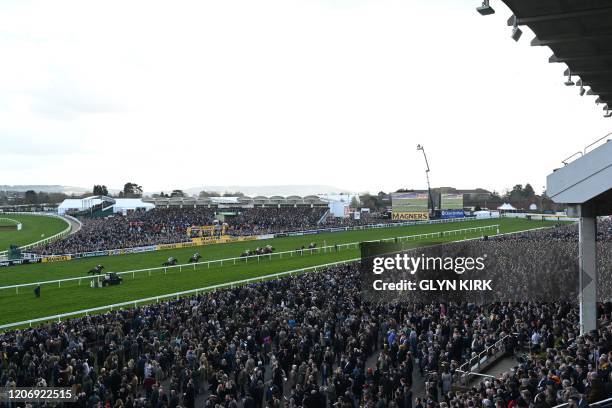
46, 240
9, 224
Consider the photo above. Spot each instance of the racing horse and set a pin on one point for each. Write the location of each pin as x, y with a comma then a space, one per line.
170, 262
268, 249
246, 253
195, 257
96, 270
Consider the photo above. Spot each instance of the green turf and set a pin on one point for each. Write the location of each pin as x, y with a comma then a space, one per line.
34, 228
72, 296
79, 267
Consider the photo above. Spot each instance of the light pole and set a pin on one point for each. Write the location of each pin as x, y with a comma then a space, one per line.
431, 204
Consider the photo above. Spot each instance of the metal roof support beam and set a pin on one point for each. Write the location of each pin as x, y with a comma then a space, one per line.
587, 71
597, 82
591, 92
559, 16
538, 42
601, 100
587, 257
594, 55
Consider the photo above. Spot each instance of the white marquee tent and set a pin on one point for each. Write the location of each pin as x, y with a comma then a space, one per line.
119, 205
506, 207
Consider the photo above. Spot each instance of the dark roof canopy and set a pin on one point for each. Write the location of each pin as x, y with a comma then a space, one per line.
579, 32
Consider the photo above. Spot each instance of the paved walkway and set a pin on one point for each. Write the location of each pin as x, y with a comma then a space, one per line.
74, 225
502, 366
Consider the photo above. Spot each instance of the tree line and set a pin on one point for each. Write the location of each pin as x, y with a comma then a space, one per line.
519, 196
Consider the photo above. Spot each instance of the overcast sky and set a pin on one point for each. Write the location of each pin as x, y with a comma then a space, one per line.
336, 92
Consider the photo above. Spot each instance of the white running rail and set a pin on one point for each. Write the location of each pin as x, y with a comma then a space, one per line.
328, 248
196, 291
296, 233
176, 295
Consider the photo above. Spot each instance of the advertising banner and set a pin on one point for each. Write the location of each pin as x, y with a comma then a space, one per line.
410, 216
56, 258
170, 246
218, 240
204, 241
265, 236
248, 238
144, 249
410, 206
92, 254
452, 214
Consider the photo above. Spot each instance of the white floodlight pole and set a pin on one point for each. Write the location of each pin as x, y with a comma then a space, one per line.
431, 203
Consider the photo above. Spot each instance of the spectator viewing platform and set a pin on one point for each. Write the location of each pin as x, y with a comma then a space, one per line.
586, 186
586, 180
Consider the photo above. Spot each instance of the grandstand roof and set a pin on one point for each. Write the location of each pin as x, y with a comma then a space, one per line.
579, 32
237, 201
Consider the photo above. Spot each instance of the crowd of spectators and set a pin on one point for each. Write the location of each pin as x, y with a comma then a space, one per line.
267, 220
288, 343
138, 228
169, 225
553, 253
365, 218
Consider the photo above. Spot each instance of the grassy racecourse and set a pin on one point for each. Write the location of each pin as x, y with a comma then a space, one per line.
71, 296
33, 227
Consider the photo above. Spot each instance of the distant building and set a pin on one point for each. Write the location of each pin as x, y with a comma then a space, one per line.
339, 203
102, 206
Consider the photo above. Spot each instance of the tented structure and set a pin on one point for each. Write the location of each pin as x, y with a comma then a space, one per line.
78, 204
506, 207
123, 205
103, 205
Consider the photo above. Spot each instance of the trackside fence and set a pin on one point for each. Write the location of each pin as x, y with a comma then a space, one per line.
173, 296
257, 258
177, 295
147, 248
